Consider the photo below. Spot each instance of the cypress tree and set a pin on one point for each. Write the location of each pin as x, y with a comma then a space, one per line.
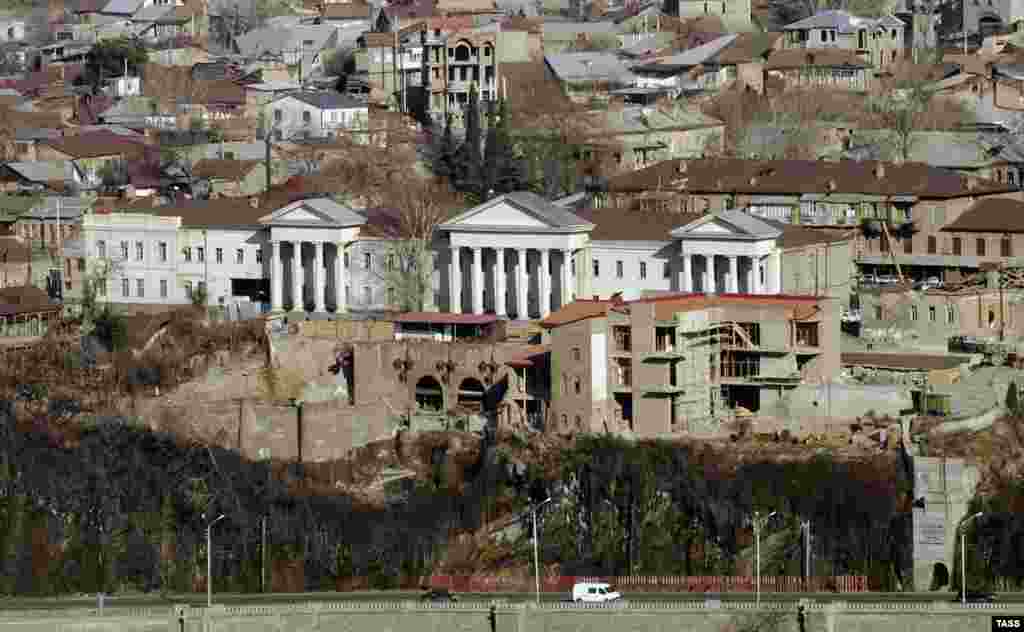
501, 169
445, 153
469, 175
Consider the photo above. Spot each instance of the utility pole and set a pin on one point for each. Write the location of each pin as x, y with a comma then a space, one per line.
1002, 313
263, 556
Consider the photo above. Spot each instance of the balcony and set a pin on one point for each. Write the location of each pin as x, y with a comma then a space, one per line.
622, 340
622, 376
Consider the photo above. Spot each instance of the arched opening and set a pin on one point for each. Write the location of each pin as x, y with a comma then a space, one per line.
429, 394
940, 576
462, 52
991, 318
471, 395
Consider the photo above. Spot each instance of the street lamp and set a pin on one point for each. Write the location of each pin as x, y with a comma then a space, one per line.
759, 523
209, 560
963, 556
536, 549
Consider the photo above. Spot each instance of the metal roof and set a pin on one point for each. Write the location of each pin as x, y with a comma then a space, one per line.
844, 22
589, 67
43, 170
687, 59
555, 216
325, 100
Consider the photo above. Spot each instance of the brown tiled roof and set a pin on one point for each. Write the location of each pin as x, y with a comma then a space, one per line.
791, 177
580, 309
220, 91
347, 11
748, 47
908, 361
800, 57
528, 355
224, 169
618, 224
97, 144
528, 83
27, 298
990, 215
221, 212
800, 236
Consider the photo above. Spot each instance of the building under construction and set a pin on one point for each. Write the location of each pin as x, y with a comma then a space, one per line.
684, 363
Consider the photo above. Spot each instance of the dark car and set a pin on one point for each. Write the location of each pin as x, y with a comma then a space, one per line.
975, 596
438, 595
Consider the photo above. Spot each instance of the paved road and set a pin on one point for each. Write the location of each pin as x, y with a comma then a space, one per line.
198, 600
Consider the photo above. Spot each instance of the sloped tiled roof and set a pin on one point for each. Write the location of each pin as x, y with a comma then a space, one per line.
580, 309
618, 224
97, 144
588, 66
790, 177
990, 215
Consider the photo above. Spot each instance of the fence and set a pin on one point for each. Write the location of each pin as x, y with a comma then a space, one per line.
654, 583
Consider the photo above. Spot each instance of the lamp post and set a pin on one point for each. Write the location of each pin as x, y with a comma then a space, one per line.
209, 560
536, 547
963, 555
759, 523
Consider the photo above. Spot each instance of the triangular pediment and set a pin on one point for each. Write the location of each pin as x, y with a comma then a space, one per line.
314, 212
728, 225
713, 228
300, 214
501, 214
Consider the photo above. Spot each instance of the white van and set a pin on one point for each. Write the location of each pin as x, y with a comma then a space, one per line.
587, 592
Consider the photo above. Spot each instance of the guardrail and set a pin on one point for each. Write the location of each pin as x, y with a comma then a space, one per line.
932, 607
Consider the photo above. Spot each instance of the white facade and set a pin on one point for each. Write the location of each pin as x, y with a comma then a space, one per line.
291, 116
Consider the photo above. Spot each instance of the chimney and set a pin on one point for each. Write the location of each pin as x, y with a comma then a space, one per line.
880, 171
254, 201
831, 185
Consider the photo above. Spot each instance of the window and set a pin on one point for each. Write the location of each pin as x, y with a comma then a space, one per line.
618, 269
980, 245
666, 270
565, 384
188, 290
391, 296
643, 270
163, 251
219, 255
344, 260
259, 255
389, 263
572, 267
824, 36
878, 312
368, 261
913, 312
807, 334
576, 354
307, 118
163, 288
277, 116
101, 287
623, 339
367, 294
597, 268
958, 246
239, 256
908, 246
200, 254
932, 244
124, 250
140, 250
101, 249
1005, 246
125, 288
931, 313
565, 421
576, 385
140, 287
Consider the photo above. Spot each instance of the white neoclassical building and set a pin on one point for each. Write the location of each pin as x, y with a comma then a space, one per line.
517, 256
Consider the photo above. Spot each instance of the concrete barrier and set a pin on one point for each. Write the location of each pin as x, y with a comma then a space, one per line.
413, 616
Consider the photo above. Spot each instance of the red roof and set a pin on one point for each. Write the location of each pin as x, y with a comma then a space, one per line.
438, 318
529, 357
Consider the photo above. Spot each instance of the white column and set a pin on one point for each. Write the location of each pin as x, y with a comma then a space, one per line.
755, 276
711, 286
687, 282
500, 282
777, 272
429, 300
298, 303
566, 282
339, 278
734, 275
319, 286
478, 282
545, 282
276, 272
522, 285
455, 283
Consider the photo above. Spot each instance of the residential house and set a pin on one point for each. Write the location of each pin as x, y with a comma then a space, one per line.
52, 220
734, 14
989, 231
810, 69
288, 53
743, 61
585, 76
561, 37
824, 193
96, 154
878, 42
37, 176
316, 114
26, 311
232, 178
690, 72
686, 363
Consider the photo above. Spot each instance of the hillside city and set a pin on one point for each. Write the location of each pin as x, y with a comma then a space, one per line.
707, 297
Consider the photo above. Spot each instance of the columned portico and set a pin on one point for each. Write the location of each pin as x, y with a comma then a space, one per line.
316, 222
725, 252
519, 222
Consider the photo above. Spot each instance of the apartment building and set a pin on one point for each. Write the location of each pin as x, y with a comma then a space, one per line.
683, 363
